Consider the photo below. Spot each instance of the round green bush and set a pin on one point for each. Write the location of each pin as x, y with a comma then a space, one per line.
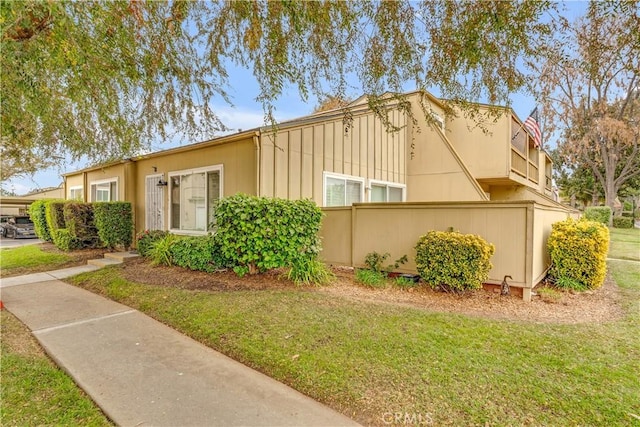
454, 261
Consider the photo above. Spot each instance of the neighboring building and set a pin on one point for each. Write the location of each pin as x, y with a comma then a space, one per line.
19, 205
333, 159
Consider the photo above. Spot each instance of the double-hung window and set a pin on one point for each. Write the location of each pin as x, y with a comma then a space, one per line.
194, 195
105, 190
381, 191
342, 190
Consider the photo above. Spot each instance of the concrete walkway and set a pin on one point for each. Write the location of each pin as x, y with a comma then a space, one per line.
143, 373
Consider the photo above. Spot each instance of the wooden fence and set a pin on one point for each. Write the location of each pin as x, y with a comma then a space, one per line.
518, 229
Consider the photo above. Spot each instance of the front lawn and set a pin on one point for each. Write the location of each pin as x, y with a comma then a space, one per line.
625, 243
34, 391
31, 257
375, 362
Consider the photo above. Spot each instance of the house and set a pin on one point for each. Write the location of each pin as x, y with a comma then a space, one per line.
19, 205
337, 159
334, 161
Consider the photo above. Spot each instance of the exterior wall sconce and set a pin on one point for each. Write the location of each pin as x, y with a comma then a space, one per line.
161, 183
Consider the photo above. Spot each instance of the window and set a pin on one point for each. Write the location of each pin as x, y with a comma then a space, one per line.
76, 193
342, 190
194, 195
104, 191
386, 192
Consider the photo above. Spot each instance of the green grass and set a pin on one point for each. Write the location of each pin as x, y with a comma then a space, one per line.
368, 360
30, 256
625, 243
34, 390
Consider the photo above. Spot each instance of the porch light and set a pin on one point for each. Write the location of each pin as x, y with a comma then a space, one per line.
161, 183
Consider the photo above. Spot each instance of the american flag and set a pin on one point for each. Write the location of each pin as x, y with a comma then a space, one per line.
532, 126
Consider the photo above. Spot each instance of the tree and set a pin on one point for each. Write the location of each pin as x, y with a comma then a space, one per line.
104, 79
590, 84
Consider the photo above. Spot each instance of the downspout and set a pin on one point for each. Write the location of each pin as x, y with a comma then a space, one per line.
256, 143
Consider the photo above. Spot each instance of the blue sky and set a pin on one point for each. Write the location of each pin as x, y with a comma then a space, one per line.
247, 113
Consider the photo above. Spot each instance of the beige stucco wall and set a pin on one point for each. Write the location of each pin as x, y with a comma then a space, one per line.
293, 160
238, 159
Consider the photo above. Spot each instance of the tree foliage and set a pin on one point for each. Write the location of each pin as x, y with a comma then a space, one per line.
590, 83
104, 79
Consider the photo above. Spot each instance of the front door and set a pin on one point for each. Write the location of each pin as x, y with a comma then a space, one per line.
154, 205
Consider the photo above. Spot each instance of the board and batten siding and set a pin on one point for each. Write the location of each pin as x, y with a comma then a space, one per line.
293, 159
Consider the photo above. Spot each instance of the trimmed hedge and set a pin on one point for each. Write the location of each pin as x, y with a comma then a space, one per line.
622, 222
256, 234
453, 260
65, 240
38, 214
78, 218
54, 210
601, 214
114, 221
199, 253
578, 251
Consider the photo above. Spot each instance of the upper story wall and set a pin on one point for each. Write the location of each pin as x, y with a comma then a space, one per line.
435, 171
294, 159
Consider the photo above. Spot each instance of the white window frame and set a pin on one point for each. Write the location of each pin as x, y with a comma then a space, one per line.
219, 168
334, 175
387, 184
105, 181
76, 188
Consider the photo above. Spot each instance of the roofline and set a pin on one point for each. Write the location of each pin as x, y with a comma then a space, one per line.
203, 144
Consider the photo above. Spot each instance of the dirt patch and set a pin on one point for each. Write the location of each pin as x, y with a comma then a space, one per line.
141, 271
602, 305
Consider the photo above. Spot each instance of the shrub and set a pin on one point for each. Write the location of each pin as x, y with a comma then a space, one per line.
160, 250
65, 241
622, 222
145, 239
374, 279
374, 261
114, 221
636, 214
578, 251
600, 214
627, 206
38, 214
405, 282
195, 253
78, 218
452, 260
309, 270
54, 212
256, 234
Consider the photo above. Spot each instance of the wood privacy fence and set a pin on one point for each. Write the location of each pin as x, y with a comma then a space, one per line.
518, 229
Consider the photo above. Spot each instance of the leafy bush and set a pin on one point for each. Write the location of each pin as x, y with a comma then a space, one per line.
54, 212
453, 260
78, 218
627, 206
622, 222
601, 214
578, 251
374, 260
309, 270
38, 214
374, 279
195, 253
256, 234
114, 221
65, 240
145, 239
160, 250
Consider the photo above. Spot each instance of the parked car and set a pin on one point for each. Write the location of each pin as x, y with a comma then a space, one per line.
3, 222
19, 227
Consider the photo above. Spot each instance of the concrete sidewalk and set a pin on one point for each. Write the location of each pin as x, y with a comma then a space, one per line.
143, 373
